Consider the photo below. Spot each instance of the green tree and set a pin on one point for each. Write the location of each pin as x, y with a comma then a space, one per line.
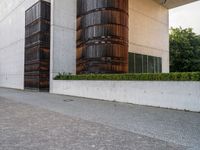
184, 50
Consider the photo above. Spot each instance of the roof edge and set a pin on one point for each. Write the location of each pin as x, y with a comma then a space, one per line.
170, 4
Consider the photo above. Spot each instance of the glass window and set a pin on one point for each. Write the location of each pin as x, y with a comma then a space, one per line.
150, 64
156, 70
138, 63
131, 62
144, 64
159, 65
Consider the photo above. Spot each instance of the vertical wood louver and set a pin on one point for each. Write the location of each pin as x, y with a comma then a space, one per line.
102, 36
37, 46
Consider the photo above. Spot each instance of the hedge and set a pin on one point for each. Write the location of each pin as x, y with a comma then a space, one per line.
186, 76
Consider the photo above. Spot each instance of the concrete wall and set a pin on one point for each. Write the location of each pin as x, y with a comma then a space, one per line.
63, 37
12, 37
148, 30
148, 24
175, 95
148, 35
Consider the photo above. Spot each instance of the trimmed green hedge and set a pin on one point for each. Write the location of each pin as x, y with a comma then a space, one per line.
187, 76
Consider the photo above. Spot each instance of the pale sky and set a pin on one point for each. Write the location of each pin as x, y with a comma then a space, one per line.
186, 16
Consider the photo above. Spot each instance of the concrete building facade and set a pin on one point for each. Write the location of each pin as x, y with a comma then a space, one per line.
148, 37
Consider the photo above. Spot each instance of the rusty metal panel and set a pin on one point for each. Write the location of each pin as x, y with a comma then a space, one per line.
102, 36
37, 46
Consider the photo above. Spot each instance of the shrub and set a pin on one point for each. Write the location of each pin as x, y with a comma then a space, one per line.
187, 76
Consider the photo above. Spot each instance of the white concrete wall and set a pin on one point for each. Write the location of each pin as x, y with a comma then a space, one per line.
12, 37
63, 37
148, 30
175, 95
148, 35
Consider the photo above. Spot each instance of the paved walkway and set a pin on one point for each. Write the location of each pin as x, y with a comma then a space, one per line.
31, 120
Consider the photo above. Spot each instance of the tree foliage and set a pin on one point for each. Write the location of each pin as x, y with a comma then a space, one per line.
184, 50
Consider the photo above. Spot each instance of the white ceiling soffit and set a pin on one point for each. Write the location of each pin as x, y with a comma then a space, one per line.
174, 3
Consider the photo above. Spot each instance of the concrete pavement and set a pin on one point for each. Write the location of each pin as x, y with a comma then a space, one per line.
176, 129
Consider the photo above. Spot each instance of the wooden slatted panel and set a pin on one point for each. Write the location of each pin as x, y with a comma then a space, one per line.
102, 36
37, 46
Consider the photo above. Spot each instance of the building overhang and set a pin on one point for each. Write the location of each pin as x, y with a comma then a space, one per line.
174, 3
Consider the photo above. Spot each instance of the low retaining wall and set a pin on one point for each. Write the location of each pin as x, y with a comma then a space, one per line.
174, 95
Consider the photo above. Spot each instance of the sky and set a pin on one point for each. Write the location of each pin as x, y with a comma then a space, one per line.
186, 16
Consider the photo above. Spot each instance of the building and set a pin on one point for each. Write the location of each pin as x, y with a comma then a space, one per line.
38, 41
